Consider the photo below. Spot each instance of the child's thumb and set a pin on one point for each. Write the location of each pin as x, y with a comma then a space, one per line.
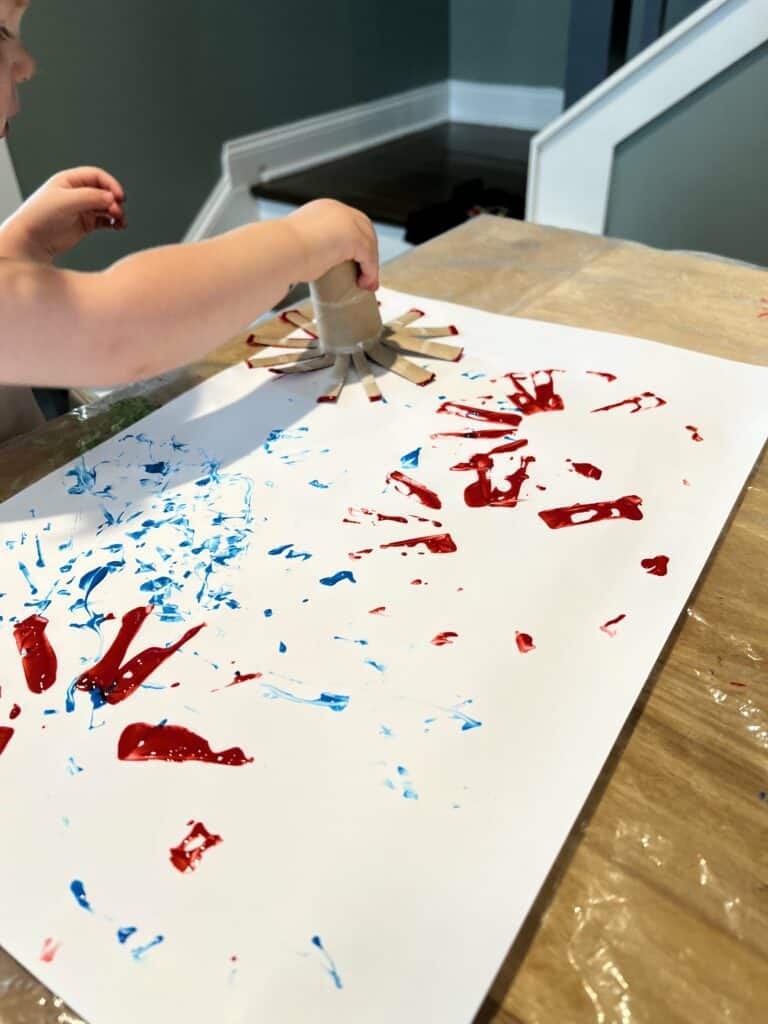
91, 199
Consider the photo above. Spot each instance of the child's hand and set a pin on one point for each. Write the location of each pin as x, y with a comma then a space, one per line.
331, 233
69, 206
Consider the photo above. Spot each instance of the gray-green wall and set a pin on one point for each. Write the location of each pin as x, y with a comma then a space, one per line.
150, 90
676, 10
697, 177
511, 42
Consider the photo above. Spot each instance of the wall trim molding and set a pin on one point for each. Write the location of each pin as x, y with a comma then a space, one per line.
527, 107
569, 175
286, 149
10, 193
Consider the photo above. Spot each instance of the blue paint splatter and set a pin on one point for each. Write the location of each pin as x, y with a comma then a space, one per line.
85, 481
88, 583
320, 487
375, 664
332, 701
25, 573
409, 793
40, 563
73, 768
331, 581
78, 891
330, 966
282, 648
455, 712
268, 613
66, 545
290, 552
161, 468
139, 951
123, 934
384, 730
411, 459
350, 640
473, 376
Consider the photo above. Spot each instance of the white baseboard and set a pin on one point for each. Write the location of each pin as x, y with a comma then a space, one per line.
505, 106
294, 147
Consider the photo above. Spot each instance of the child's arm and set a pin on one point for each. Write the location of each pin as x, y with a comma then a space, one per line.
165, 307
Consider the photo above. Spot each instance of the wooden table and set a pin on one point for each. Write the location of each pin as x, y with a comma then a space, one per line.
657, 908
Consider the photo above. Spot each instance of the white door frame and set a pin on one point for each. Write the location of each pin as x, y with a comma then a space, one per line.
10, 193
569, 176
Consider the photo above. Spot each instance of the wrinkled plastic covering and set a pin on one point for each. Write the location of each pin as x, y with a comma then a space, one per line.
656, 908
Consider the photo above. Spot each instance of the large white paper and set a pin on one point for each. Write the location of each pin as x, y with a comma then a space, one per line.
405, 797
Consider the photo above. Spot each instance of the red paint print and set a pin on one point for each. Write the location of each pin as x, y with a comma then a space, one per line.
481, 493
586, 469
357, 555
656, 566
695, 435
524, 642
607, 627
38, 658
544, 397
15, 712
474, 435
380, 517
436, 544
49, 951
627, 507
610, 377
470, 412
144, 742
188, 854
405, 485
378, 611
5, 736
117, 681
240, 677
642, 402
443, 638
417, 583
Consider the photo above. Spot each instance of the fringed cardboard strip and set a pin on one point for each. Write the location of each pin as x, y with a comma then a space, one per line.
305, 365
428, 332
298, 319
405, 342
367, 379
281, 360
402, 367
297, 343
405, 319
340, 370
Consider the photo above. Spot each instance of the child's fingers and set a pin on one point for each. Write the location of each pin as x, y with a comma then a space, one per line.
95, 177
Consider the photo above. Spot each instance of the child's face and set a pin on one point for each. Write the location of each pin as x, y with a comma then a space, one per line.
16, 65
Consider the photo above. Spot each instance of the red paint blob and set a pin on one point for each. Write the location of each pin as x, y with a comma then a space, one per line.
437, 543
443, 638
144, 742
627, 507
49, 951
544, 397
686, 483
606, 376
511, 419
357, 555
380, 517
416, 583
733, 682
524, 642
405, 485
5, 736
656, 566
481, 493
607, 626
117, 681
15, 712
38, 658
695, 435
477, 435
188, 854
586, 469
645, 400
243, 677
378, 611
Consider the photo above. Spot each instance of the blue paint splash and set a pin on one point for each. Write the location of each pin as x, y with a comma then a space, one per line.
25, 573
408, 792
85, 481
139, 951
318, 485
375, 664
268, 613
290, 552
123, 934
78, 891
73, 768
411, 459
40, 563
331, 581
162, 468
88, 583
455, 712
282, 648
350, 640
332, 701
329, 965
384, 730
